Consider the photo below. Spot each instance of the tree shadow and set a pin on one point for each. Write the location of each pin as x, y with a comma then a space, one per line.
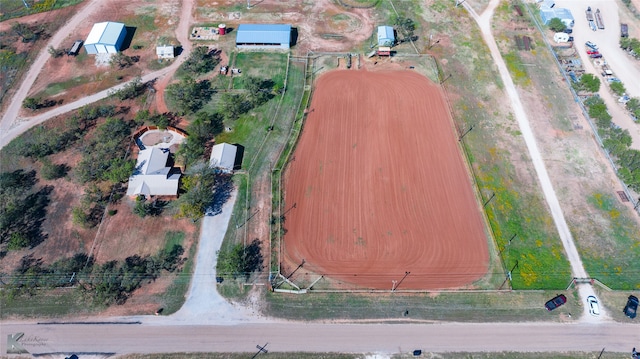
221, 196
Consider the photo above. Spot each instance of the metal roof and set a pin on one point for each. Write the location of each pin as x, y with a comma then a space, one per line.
386, 36
106, 33
263, 34
151, 176
223, 156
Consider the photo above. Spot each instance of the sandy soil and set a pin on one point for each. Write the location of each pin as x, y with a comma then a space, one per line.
379, 186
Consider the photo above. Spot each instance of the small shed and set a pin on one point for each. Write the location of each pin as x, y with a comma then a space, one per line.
165, 52
386, 36
263, 36
384, 51
105, 38
223, 156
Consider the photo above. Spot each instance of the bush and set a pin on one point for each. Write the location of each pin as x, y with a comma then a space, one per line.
618, 88
201, 60
51, 171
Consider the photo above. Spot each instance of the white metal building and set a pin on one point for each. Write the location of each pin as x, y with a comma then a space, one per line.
165, 52
386, 37
105, 38
223, 156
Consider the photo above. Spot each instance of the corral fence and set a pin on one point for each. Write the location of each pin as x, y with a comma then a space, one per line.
289, 281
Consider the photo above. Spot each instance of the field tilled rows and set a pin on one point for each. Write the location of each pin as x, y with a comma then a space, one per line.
377, 187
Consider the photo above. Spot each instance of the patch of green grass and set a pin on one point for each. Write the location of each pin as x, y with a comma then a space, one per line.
458, 307
143, 22
516, 68
262, 65
174, 297
613, 259
56, 303
173, 238
60, 87
15, 8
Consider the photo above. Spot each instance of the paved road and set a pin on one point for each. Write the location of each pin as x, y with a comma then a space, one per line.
314, 337
577, 268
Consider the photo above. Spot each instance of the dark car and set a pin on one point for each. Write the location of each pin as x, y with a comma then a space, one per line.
631, 308
554, 303
596, 56
568, 31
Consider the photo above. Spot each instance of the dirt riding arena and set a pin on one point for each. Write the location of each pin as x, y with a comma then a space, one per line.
377, 187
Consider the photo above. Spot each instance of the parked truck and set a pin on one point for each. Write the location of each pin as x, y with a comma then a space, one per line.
624, 30
590, 20
599, 21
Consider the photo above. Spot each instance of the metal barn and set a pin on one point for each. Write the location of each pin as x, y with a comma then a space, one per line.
386, 36
263, 36
105, 38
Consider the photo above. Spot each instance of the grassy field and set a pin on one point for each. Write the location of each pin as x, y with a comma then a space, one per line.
15, 8
450, 306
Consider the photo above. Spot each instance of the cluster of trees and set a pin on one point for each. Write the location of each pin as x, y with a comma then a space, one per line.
407, 27
630, 44
131, 90
43, 141
122, 61
617, 142
200, 61
22, 209
201, 131
162, 120
240, 260
206, 188
103, 155
189, 95
111, 282
35, 103
27, 33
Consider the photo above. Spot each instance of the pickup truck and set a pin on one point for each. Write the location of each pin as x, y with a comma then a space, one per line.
591, 45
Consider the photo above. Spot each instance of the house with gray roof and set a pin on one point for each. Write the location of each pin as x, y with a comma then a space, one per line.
105, 38
263, 36
386, 36
152, 176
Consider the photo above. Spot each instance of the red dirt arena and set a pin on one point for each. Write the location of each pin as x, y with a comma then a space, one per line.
380, 188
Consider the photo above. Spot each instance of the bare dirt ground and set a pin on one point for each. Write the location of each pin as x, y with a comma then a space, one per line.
380, 188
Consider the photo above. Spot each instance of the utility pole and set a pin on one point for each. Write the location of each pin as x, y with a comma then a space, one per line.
465, 133
401, 280
489, 200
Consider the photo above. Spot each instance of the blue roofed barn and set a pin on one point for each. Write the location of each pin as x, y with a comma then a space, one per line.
386, 37
263, 36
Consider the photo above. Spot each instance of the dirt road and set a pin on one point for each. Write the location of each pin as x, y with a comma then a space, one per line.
577, 268
12, 126
316, 337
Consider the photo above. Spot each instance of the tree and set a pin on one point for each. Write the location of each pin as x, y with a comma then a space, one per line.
589, 82
557, 25
131, 90
51, 171
201, 60
241, 260
202, 184
407, 26
25, 32
618, 88
232, 105
121, 61
31, 103
189, 95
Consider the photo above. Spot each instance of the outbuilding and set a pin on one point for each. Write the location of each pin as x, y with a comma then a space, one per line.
546, 14
223, 156
263, 36
386, 36
165, 52
105, 38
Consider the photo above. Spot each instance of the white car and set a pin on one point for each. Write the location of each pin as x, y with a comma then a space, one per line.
594, 308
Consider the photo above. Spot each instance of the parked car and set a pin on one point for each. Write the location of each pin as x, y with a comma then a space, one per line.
631, 309
570, 39
568, 31
596, 56
555, 302
592, 45
594, 307
592, 52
